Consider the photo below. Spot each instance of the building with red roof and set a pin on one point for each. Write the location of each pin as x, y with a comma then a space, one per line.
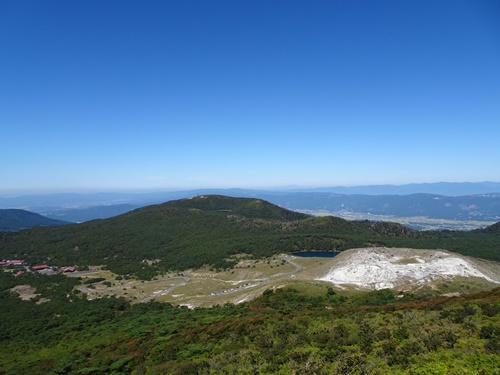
16, 262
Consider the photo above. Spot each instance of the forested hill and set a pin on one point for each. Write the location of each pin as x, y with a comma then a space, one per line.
14, 219
209, 230
180, 234
246, 207
492, 229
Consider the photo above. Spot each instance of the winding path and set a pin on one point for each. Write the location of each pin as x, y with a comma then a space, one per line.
185, 279
286, 258
165, 291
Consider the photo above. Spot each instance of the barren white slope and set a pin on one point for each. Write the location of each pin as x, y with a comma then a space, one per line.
379, 268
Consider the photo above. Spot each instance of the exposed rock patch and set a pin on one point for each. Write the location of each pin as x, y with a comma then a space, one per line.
27, 292
379, 268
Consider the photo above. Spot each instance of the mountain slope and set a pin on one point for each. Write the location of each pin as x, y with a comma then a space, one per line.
210, 230
183, 234
247, 207
285, 331
481, 204
13, 219
492, 229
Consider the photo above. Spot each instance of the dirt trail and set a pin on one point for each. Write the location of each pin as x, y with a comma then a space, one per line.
166, 290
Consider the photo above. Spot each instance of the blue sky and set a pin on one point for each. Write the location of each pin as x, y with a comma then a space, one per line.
109, 95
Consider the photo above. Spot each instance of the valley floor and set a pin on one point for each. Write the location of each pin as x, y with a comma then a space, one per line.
415, 222
406, 270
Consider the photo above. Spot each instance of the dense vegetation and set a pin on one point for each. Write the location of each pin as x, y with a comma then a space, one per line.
282, 332
208, 230
285, 331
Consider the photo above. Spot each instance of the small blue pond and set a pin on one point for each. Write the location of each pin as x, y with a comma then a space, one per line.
315, 254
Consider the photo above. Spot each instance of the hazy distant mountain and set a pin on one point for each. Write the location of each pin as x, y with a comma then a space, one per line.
12, 220
66, 200
484, 207
78, 215
46, 202
439, 188
478, 201
210, 230
51, 202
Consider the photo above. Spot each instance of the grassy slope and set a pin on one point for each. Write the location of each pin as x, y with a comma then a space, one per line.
282, 332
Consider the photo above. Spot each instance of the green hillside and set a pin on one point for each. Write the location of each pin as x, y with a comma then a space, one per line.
208, 230
14, 219
246, 207
285, 331
303, 329
492, 229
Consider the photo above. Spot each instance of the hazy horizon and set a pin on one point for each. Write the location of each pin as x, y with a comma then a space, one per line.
21, 192
100, 96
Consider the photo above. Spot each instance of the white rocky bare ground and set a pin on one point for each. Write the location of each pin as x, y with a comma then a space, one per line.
379, 268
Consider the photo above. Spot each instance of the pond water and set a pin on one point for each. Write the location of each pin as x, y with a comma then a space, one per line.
316, 254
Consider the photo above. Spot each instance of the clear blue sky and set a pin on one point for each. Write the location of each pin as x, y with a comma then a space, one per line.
107, 95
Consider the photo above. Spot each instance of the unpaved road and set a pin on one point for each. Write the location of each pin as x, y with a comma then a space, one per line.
166, 290
185, 280
286, 258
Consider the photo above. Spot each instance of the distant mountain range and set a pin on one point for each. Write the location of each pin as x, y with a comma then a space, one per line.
13, 220
484, 207
453, 189
78, 215
478, 202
